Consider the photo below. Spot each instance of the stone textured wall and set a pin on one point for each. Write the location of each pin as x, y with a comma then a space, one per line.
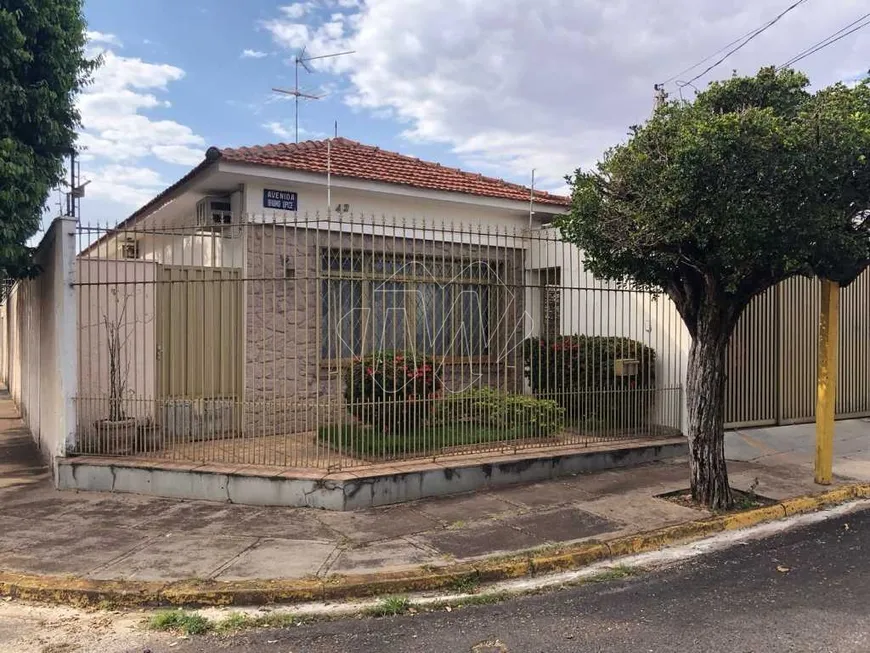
288, 388
282, 338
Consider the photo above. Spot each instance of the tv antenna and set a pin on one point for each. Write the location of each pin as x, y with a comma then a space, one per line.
302, 59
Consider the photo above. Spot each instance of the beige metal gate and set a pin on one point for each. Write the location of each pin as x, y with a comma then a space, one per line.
199, 332
772, 357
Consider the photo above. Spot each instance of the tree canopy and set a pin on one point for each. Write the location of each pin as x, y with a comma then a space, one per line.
43, 66
716, 200
755, 181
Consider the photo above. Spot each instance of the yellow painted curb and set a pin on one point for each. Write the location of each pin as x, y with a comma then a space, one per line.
79, 591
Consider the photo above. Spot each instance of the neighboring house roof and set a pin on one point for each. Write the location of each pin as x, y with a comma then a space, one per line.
349, 158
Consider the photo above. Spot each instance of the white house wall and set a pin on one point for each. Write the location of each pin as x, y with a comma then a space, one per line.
191, 250
39, 348
593, 307
200, 250
392, 209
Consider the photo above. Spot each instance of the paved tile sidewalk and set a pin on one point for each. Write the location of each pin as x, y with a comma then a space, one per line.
123, 536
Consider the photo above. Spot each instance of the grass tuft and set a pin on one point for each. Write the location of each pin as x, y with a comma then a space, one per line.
482, 599
276, 620
467, 584
236, 621
613, 573
390, 606
187, 623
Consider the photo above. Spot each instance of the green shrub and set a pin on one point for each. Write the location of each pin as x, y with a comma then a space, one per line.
390, 606
516, 415
187, 623
392, 391
578, 372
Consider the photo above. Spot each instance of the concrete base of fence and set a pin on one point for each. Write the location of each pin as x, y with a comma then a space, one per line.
362, 488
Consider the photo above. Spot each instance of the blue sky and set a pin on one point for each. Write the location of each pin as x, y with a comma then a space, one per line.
493, 87
224, 95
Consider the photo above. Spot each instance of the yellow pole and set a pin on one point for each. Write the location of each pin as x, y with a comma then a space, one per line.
827, 388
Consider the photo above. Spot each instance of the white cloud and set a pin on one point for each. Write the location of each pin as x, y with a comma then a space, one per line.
297, 9
550, 88
102, 37
114, 125
180, 154
129, 186
118, 73
253, 54
279, 130
320, 36
288, 132
120, 140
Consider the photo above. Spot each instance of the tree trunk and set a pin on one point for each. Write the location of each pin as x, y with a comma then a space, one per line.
705, 398
116, 389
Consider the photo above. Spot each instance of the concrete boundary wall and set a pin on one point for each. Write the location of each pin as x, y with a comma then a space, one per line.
341, 491
38, 348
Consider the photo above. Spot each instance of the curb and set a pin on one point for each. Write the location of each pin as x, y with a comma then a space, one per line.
83, 592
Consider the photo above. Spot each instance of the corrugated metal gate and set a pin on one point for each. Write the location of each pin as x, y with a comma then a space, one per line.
772, 357
199, 332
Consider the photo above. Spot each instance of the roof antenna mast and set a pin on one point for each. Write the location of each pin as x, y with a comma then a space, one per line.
532, 199
302, 59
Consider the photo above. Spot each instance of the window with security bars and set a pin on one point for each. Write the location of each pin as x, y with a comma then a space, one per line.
381, 301
551, 303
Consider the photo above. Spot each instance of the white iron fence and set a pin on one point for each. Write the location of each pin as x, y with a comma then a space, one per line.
343, 342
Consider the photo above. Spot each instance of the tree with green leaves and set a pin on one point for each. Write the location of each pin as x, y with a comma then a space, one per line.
713, 202
43, 67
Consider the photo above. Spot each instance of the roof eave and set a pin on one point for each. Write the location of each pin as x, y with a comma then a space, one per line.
212, 155
229, 165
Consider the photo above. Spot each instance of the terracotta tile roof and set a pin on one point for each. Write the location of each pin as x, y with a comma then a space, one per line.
352, 159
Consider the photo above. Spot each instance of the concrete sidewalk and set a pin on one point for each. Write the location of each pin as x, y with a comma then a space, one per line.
795, 447
128, 537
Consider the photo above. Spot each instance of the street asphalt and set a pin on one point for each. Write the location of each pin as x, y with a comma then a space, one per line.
802, 590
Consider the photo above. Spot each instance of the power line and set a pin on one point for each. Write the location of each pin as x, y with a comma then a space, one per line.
827, 41
707, 58
745, 40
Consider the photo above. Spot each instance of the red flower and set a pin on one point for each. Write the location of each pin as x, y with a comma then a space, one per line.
370, 371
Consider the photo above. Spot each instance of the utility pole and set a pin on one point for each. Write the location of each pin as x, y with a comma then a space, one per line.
826, 397
302, 60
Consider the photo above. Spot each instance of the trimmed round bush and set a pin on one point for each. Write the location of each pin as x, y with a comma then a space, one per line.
514, 414
580, 374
